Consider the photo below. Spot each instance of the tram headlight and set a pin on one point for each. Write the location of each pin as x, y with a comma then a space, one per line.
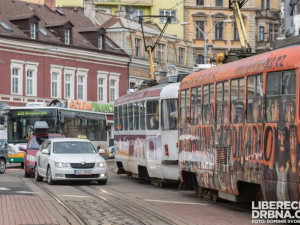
30, 158
61, 164
101, 164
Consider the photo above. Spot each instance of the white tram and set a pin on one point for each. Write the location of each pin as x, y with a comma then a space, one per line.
145, 134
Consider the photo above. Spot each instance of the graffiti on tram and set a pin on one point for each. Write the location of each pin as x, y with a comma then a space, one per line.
140, 146
255, 152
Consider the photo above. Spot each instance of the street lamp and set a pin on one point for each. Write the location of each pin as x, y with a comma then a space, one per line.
205, 34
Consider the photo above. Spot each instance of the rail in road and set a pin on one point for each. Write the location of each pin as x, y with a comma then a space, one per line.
96, 205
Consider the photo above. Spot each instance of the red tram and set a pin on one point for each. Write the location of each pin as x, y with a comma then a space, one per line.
239, 128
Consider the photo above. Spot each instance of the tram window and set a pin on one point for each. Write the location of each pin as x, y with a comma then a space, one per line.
121, 126
136, 111
130, 116
280, 102
142, 115
152, 115
222, 102
116, 118
184, 106
125, 117
196, 105
169, 114
255, 98
208, 104
237, 90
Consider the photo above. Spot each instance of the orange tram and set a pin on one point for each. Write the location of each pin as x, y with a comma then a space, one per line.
239, 129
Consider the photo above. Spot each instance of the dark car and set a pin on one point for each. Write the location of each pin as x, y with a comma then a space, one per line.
41, 133
3, 155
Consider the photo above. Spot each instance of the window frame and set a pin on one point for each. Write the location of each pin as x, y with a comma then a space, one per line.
102, 75
58, 70
84, 74
115, 77
239, 116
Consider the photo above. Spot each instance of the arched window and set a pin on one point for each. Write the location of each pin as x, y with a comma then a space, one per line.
200, 59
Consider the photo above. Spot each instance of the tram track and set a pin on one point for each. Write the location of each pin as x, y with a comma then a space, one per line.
76, 215
134, 210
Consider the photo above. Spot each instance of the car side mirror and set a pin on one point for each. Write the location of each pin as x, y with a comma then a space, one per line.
22, 149
101, 151
45, 151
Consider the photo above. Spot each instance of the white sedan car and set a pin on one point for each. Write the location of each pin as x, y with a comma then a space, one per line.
69, 159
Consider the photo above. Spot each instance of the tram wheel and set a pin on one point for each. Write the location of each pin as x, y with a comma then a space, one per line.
214, 196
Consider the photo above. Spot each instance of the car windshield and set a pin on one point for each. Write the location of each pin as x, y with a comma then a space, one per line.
36, 142
73, 148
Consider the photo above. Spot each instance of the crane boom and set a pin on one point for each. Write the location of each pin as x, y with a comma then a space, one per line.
235, 6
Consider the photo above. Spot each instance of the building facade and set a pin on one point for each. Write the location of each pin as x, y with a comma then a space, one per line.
171, 56
57, 54
212, 21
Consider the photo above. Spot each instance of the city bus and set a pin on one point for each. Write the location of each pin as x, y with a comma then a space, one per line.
145, 134
239, 129
72, 123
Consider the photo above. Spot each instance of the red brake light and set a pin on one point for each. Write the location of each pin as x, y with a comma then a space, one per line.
166, 150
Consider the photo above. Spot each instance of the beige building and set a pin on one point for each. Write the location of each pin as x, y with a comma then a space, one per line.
212, 22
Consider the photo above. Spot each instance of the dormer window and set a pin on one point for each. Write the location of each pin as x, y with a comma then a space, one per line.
33, 30
67, 36
100, 41
5, 26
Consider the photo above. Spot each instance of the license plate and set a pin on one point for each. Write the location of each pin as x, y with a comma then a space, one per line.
82, 172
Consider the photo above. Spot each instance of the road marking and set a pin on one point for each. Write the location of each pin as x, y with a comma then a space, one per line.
4, 189
76, 196
184, 203
25, 192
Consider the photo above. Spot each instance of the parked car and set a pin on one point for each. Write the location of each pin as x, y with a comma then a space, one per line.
3, 155
69, 159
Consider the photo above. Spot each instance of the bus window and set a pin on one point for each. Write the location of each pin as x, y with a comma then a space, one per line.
116, 118
130, 116
136, 112
222, 103
169, 114
125, 117
280, 96
237, 100
208, 104
255, 98
184, 107
142, 115
196, 106
152, 115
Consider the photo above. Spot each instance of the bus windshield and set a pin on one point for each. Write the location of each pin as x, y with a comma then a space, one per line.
21, 122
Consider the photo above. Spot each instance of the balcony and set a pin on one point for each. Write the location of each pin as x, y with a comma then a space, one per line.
125, 2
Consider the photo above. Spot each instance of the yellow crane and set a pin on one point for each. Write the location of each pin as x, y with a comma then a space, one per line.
235, 6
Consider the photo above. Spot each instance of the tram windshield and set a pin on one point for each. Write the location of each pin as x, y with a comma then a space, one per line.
169, 114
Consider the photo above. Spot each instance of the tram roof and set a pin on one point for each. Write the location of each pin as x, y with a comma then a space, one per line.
280, 59
150, 92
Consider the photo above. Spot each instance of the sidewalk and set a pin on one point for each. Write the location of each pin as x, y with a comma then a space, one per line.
22, 202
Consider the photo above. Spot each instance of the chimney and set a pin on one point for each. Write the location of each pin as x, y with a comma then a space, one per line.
51, 4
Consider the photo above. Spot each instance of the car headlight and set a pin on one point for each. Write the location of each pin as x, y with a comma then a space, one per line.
11, 151
30, 158
61, 164
101, 164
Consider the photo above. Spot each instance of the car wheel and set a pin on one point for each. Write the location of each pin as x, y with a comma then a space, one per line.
49, 176
2, 165
37, 177
102, 182
26, 174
